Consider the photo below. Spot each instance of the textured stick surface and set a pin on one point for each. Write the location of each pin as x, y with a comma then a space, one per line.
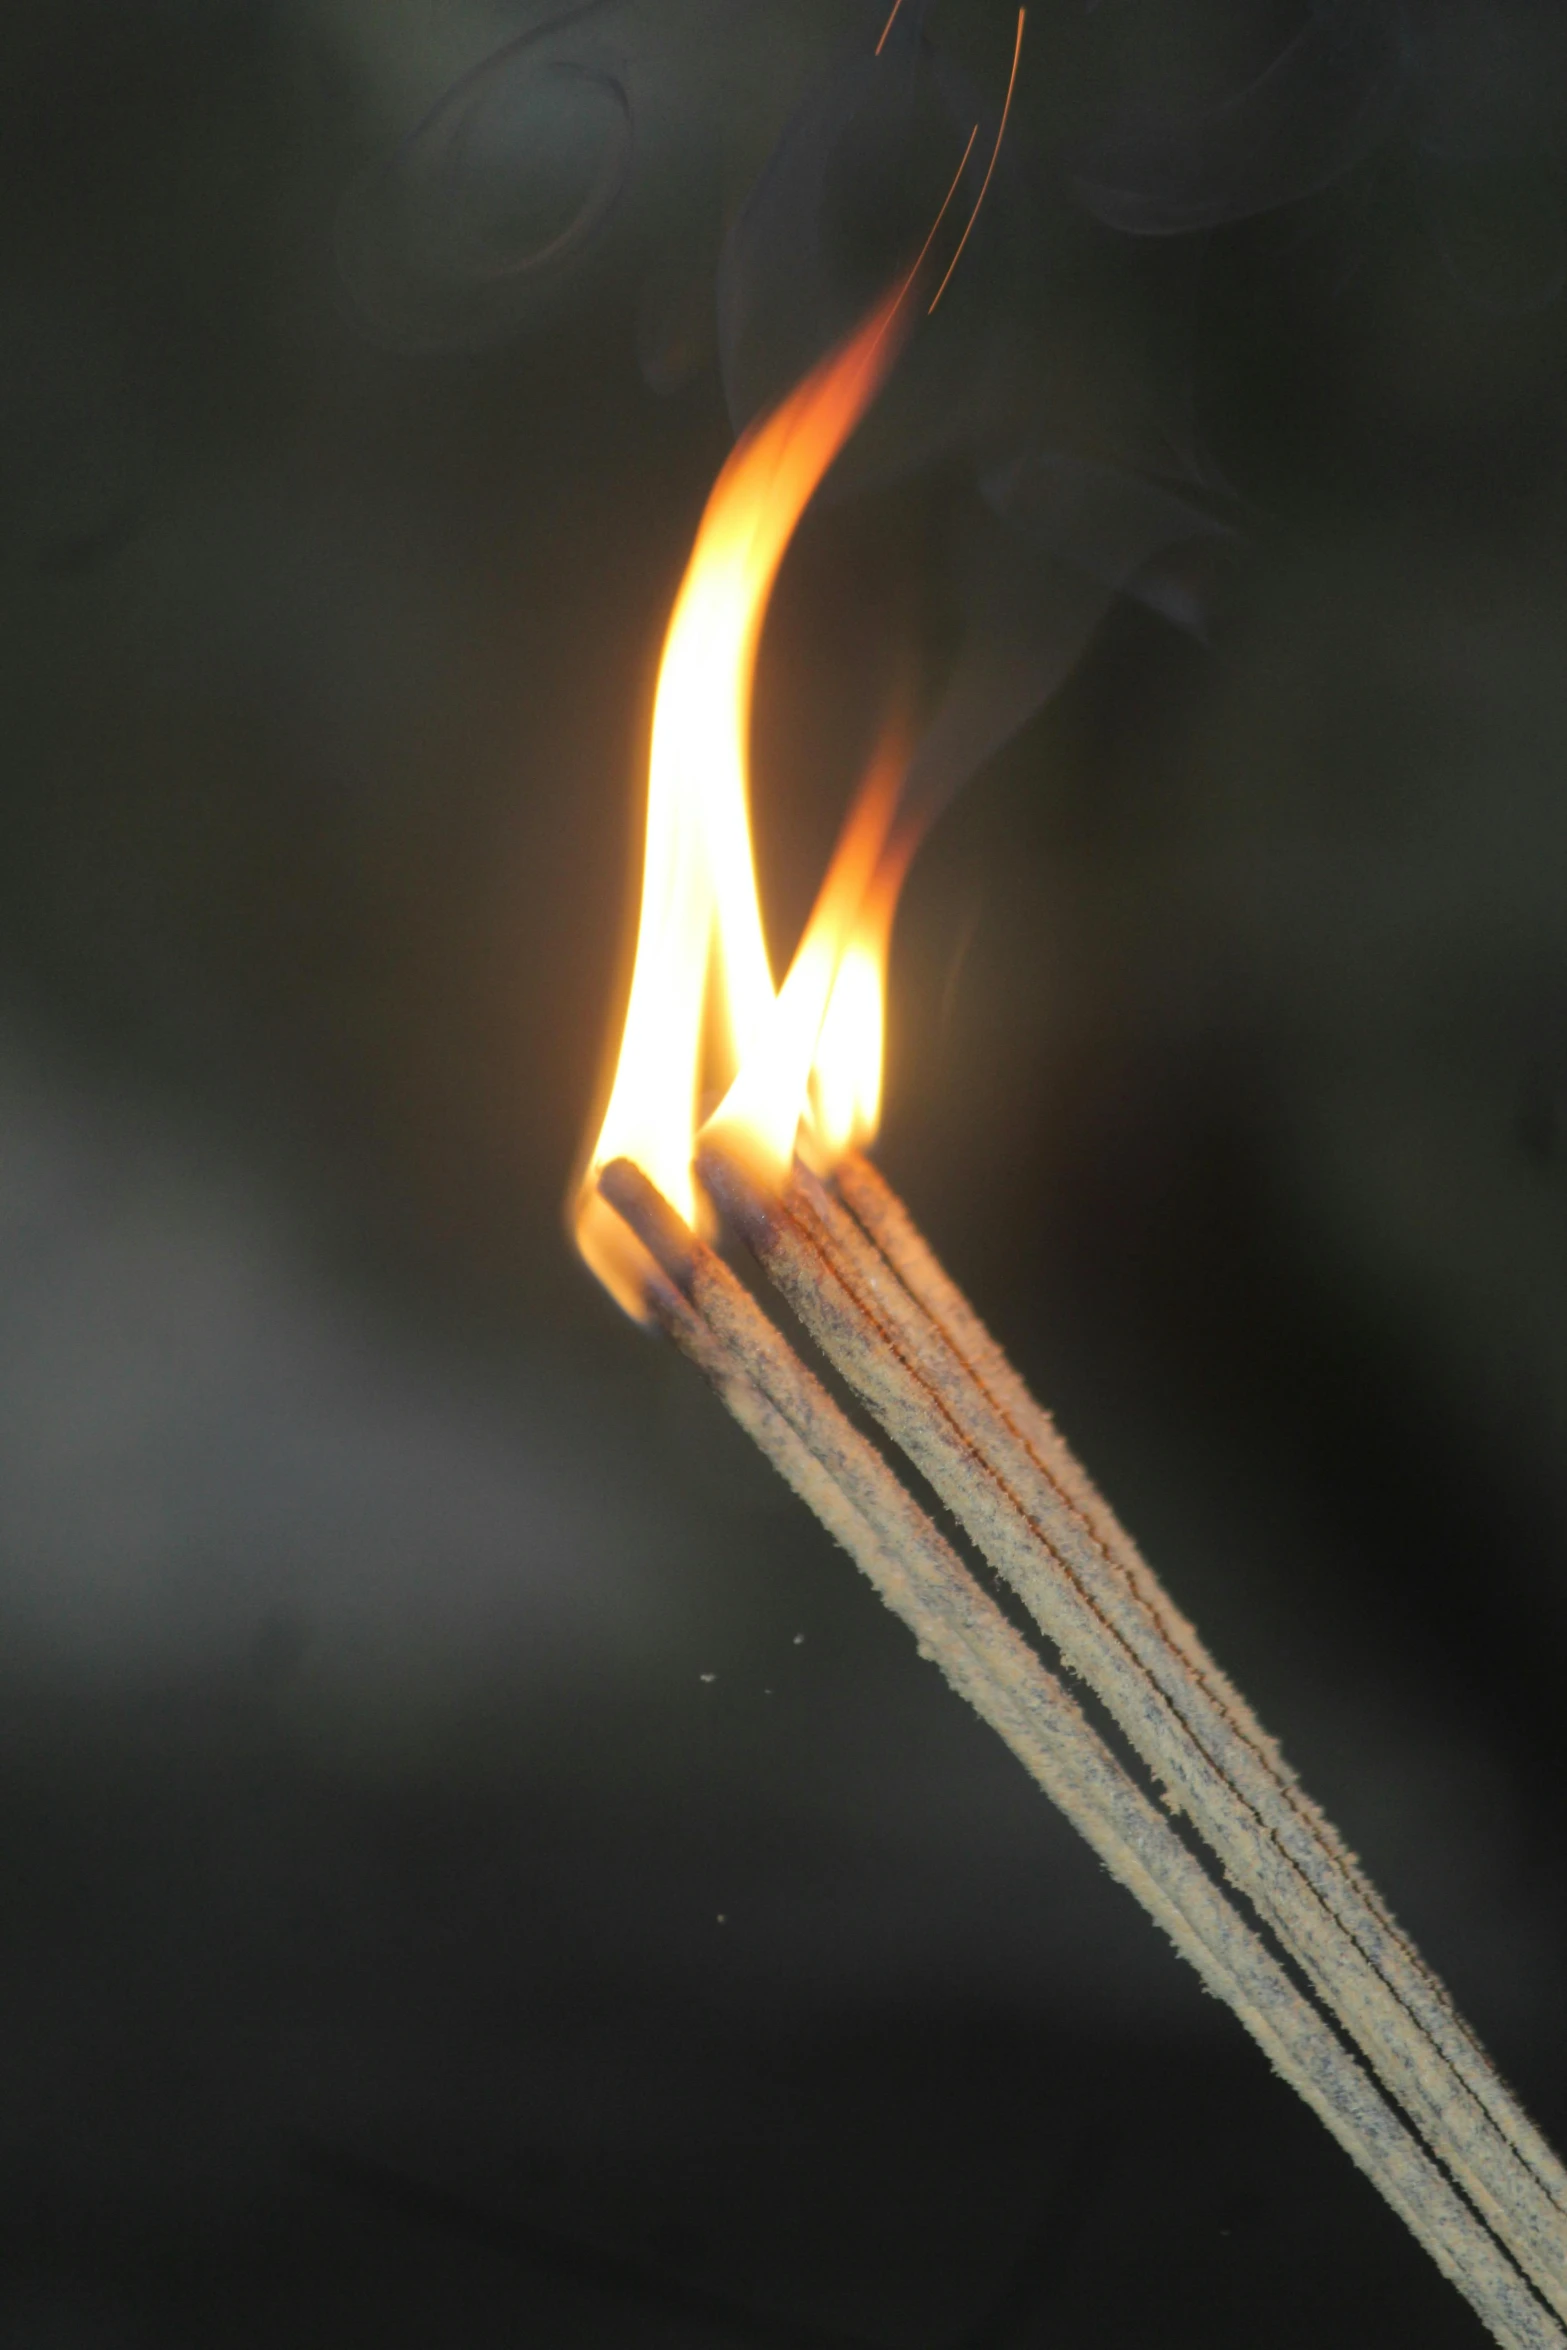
1064, 1504
853, 1490
1267, 1837
893, 1232
1303, 1829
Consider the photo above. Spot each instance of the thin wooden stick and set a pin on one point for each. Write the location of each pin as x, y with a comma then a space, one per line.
1114, 1627
853, 1490
893, 1232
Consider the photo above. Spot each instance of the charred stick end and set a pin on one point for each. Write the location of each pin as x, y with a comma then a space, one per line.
665, 1235
740, 1194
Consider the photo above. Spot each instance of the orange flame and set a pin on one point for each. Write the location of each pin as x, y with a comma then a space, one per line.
700, 948
803, 1066
846, 1074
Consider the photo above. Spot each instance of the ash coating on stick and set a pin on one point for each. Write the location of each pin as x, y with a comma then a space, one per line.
852, 1489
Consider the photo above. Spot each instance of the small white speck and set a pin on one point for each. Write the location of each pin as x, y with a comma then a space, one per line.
707, 1676
767, 1693
799, 1640
722, 1919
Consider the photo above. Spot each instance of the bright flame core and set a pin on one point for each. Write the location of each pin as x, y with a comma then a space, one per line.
847, 1072
811, 1051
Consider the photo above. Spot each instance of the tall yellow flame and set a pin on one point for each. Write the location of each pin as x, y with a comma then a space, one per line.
846, 1074
803, 1066
701, 960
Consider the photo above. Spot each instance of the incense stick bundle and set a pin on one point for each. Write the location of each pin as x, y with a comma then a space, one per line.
869, 1292
852, 1488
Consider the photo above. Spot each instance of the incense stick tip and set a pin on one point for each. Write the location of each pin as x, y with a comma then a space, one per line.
639, 1203
737, 1190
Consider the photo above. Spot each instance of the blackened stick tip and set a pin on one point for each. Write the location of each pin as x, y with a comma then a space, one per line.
663, 1232
739, 1190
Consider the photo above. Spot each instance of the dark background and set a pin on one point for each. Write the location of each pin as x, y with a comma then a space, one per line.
475, 1865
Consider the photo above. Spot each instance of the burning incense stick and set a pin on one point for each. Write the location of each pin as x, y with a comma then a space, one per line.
802, 1067
852, 1489
938, 1385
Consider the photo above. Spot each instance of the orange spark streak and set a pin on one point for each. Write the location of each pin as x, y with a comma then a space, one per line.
1001, 132
957, 181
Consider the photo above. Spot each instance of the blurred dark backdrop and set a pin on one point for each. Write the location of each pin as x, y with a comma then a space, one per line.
476, 1866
